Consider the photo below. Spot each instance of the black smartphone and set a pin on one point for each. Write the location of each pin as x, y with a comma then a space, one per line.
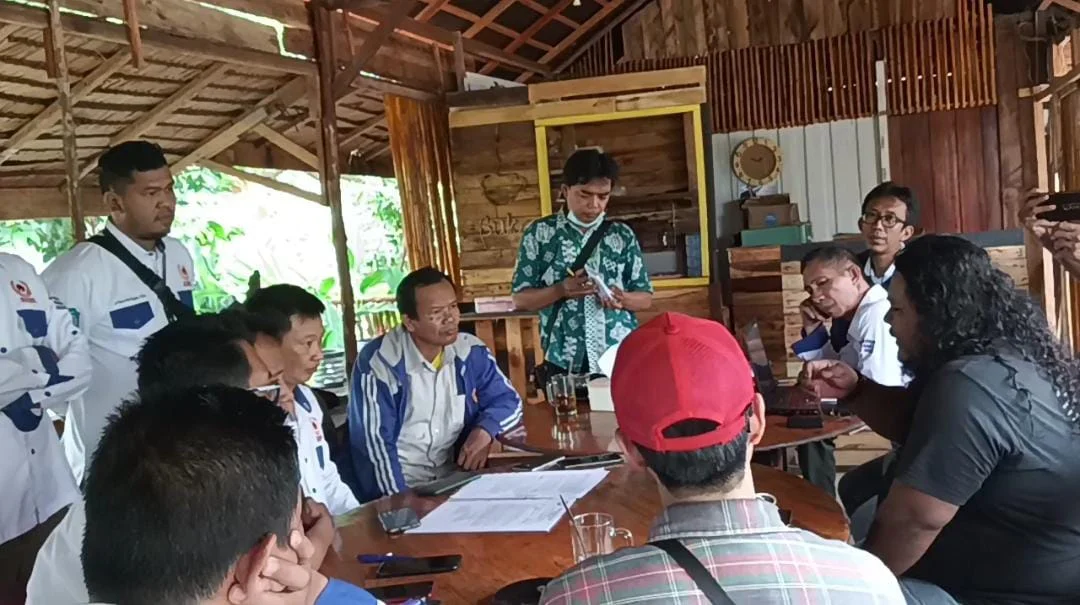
1064, 206
420, 566
402, 592
399, 520
446, 484
598, 461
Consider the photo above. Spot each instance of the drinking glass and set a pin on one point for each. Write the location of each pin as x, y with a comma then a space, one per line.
561, 395
593, 535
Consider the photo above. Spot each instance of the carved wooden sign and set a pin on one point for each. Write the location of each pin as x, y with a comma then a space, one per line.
502, 189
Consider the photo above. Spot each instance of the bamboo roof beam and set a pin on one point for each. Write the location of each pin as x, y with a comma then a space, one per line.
540, 8
231, 133
29, 16
399, 11
131, 19
565, 43
488, 17
45, 120
66, 101
348, 142
162, 110
593, 39
262, 180
287, 145
532, 30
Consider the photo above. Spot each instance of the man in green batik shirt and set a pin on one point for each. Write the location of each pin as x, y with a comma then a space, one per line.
586, 324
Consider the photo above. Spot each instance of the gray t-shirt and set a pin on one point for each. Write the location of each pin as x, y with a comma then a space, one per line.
990, 437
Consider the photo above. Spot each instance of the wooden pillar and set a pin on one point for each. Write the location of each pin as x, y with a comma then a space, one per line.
59, 71
330, 173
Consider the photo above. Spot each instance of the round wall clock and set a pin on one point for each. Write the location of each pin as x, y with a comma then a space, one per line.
757, 162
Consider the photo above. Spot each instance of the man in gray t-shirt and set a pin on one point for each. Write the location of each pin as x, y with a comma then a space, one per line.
990, 437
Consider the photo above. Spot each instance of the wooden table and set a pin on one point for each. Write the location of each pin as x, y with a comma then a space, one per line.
492, 561
594, 432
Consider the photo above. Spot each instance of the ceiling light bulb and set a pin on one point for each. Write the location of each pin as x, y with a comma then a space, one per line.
577, 2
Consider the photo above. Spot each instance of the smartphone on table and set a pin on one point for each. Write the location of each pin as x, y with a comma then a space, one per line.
401, 593
399, 520
418, 566
597, 461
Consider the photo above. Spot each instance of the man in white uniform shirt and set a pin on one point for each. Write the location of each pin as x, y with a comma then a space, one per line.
857, 334
44, 363
231, 349
112, 305
302, 349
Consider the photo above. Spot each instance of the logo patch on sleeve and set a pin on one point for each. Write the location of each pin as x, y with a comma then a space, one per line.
867, 347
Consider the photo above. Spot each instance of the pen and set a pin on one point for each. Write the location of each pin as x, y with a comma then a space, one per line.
373, 559
545, 466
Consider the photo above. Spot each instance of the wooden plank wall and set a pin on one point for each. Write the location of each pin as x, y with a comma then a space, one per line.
686, 28
827, 169
951, 159
1015, 115
496, 195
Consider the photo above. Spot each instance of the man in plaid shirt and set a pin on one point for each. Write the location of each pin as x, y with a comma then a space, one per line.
687, 411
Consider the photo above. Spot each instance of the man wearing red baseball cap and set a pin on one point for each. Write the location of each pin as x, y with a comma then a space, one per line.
689, 415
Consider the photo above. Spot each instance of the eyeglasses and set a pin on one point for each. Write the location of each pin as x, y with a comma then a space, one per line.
887, 220
270, 392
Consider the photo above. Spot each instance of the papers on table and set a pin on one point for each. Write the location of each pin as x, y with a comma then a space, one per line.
538, 485
490, 516
510, 503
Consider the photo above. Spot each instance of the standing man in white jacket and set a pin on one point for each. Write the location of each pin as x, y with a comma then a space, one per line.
122, 285
44, 363
843, 318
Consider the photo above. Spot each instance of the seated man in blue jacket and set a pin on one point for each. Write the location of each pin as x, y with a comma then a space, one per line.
425, 399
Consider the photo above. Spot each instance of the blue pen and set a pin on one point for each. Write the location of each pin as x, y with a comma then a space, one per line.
375, 559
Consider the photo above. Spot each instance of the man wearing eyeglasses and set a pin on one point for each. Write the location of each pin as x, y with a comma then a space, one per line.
229, 349
890, 214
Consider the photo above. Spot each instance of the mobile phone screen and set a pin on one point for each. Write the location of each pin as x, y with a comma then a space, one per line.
402, 592
399, 520
421, 566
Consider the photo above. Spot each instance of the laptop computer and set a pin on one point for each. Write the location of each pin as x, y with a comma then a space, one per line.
787, 400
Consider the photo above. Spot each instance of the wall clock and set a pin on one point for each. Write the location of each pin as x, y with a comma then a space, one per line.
757, 162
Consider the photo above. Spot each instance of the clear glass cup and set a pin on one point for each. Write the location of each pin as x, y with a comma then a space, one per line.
561, 395
594, 535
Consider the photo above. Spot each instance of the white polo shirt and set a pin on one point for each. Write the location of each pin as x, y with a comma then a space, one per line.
117, 311
319, 477
434, 419
44, 363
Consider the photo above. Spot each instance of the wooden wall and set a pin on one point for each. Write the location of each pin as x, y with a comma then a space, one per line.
497, 195
952, 161
827, 169
685, 28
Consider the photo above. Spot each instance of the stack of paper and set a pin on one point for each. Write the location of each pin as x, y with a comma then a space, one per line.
510, 502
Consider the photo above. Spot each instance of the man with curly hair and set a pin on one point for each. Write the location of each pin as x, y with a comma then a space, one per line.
982, 508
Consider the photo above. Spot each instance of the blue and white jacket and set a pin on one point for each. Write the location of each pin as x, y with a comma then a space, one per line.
380, 396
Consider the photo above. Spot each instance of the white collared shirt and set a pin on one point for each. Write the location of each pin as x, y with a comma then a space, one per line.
434, 419
44, 363
319, 477
58, 571
118, 312
868, 271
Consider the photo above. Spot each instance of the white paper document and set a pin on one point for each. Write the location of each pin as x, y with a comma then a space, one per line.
491, 516
539, 485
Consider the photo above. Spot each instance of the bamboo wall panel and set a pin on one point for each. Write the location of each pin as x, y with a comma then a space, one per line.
420, 143
941, 64
938, 65
720, 25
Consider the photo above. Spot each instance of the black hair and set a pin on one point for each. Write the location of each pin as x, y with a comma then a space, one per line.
182, 484
900, 192
272, 324
704, 470
587, 165
118, 165
406, 290
966, 306
285, 300
831, 254
206, 349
